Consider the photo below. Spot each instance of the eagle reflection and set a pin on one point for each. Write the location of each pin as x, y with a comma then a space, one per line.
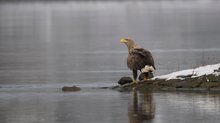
142, 108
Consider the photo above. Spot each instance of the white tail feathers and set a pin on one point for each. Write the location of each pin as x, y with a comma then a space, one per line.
147, 68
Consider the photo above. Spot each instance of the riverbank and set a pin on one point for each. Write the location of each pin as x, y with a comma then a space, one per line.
204, 78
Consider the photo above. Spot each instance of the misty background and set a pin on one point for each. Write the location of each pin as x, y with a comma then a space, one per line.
48, 44
61, 41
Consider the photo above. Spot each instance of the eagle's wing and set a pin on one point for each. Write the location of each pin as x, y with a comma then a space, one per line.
143, 57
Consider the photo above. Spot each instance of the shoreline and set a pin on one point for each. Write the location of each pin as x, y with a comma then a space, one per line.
207, 81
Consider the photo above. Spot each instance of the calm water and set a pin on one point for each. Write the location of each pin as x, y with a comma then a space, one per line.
47, 45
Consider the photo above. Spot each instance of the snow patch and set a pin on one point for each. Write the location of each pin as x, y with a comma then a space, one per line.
192, 73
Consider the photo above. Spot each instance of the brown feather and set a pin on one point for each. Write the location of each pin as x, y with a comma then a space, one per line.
138, 58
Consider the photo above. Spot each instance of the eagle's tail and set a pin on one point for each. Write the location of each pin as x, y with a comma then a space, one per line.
147, 68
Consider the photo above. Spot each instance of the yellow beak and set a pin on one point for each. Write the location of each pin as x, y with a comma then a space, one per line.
123, 40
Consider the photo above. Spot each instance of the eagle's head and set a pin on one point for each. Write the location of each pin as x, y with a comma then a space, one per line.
129, 42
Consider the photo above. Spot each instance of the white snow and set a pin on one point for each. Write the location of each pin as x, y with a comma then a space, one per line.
200, 71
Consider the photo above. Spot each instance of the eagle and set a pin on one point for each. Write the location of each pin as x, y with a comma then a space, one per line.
139, 59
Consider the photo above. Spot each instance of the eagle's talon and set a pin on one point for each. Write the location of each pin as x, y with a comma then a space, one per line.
135, 82
146, 79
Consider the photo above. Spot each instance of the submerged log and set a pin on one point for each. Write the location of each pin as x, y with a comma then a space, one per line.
70, 89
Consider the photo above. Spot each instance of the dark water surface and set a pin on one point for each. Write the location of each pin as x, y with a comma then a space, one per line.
31, 104
47, 45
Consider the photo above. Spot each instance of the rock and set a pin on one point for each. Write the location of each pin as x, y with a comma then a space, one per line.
125, 80
70, 89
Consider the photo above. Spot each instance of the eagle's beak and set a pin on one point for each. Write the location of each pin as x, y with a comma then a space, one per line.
123, 40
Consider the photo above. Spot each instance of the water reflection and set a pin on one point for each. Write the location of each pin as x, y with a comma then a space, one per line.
142, 107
